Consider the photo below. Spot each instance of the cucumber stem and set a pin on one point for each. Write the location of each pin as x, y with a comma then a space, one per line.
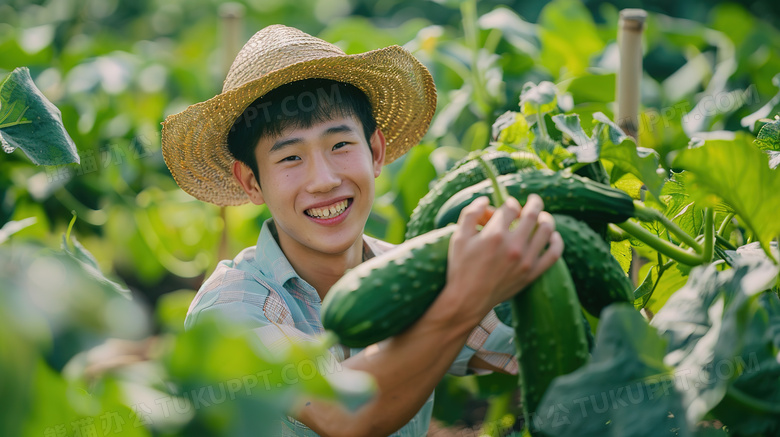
662, 246
725, 243
540, 122
709, 235
499, 191
725, 223
668, 224
616, 234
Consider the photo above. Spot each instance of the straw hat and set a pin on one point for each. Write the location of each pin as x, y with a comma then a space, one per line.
194, 141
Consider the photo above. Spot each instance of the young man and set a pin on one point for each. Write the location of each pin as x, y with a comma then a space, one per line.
305, 129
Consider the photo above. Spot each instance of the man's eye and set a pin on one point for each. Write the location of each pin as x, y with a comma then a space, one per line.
340, 145
290, 158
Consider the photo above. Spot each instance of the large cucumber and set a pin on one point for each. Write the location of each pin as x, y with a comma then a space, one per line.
562, 193
386, 294
549, 334
464, 174
597, 275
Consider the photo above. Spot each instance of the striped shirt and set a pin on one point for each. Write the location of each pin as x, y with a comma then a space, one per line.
262, 290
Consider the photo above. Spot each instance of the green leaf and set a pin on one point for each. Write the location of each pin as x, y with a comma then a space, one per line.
621, 250
625, 389
90, 265
538, 99
737, 172
606, 130
769, 136
645, 290
15, 226
32, 123
218, 350
680, 207
639, 161
672, 279
586, 148
717, 330
512, 128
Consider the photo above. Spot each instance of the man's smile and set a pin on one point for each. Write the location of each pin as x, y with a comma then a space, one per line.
329, 211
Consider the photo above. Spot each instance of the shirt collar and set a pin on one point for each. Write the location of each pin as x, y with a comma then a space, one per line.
274, 264
270, 258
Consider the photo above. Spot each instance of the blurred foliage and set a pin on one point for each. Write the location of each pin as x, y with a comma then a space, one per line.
116, 69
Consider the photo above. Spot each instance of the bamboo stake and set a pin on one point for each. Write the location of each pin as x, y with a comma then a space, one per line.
630, 29
629, 79
231, 30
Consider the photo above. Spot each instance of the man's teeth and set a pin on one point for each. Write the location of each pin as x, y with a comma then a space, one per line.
328, 211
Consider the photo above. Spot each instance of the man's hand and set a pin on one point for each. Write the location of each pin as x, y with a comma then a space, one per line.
484, 268
491, 265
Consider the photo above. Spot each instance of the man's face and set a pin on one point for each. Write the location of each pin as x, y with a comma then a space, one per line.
318, 184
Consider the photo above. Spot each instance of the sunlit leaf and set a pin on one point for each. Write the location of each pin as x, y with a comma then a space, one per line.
768, 137
639, 161
586, 148
13, 227
621, 250
644, 291
28, 120
737, 172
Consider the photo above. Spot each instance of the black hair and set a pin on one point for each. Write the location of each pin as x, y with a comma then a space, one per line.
299, 104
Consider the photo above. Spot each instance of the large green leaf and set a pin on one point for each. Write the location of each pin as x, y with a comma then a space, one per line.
639, 161
717, 329
625, 389
737, 172
768, 137
586, 148
29, 121
680, 207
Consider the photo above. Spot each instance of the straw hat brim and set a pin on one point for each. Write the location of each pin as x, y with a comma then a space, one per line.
194, 141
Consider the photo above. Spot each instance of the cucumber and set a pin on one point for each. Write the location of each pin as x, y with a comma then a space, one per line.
563, 193
597, 275
386, 294
549, 333
465, 173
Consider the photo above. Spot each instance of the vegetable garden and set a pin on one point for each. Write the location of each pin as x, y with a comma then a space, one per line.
671, 237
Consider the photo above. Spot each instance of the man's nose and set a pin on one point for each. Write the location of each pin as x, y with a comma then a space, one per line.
323, 176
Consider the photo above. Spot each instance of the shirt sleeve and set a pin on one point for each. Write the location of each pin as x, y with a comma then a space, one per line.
241, 300
491, 341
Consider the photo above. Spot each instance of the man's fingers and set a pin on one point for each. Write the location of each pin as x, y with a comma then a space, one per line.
541, 236
476, 213
504, 216
529, 218
553, 252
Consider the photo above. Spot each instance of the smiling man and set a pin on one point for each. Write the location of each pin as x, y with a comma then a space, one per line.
305, 129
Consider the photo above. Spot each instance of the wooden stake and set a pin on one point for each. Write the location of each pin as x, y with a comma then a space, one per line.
629, 79
231, 19
630, 28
